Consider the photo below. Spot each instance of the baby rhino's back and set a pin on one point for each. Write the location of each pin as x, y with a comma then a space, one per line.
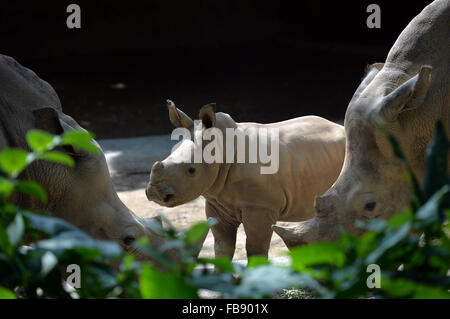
309, 129
311, 155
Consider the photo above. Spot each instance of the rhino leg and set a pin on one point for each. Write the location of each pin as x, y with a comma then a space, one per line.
224, 233
258, 229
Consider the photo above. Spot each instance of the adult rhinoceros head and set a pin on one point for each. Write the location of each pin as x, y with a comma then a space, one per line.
83, 195
373, 182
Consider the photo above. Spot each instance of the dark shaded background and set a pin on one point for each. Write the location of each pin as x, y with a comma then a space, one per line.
261, 61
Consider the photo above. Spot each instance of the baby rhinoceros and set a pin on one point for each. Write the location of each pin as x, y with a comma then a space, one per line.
249, 173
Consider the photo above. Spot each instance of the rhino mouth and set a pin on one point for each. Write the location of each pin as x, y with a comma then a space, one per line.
371, 217
163, 196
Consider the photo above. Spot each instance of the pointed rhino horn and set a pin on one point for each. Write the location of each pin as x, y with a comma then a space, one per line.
300, 234
290, 236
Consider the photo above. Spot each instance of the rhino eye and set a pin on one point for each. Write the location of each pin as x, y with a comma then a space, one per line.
370, 206
128, 240
191, 170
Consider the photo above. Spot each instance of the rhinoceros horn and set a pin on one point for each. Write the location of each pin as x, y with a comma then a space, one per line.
300, 234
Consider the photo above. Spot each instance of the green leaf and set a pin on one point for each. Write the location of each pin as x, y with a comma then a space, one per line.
6, 187
265, 280
33, 189
436, 162
372, 224
172, 244
128, 261
196, 233
50, 225
65, 236
74, 240
16, 230
102, 278
159, 285
403, 288
6, 293
215, 281
13, 160
41, 141
155, 227
155, 254
255, 261
430, 210
447, 217
323, 253
400, 219
390, 239
222, 263
48, 262
80, 139
416, 192
5, 244
366, 243
59, 157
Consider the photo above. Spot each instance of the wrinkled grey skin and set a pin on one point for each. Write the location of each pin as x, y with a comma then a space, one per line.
408, 93
83, 195
311, 153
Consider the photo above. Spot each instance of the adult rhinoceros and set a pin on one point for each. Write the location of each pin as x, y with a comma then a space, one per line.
409, 92
82, 195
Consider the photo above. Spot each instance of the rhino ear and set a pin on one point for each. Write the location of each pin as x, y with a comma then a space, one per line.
177, 117
208, 115
47, 119
370, 73
407, 96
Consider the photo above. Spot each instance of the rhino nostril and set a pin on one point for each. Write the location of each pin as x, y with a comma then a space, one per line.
128, 240
168, 197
